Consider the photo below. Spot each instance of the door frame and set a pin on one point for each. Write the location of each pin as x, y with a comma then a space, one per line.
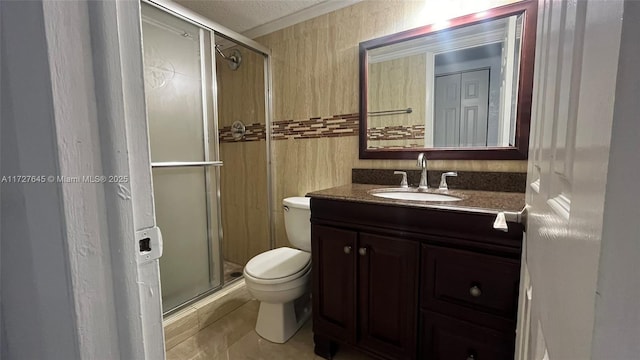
94, 294
206, 25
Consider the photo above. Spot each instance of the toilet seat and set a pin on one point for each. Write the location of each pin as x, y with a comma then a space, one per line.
278, 266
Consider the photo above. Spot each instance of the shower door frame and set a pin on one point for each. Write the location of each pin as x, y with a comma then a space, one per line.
215, 29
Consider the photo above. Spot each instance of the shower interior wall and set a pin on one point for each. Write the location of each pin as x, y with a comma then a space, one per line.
243, 178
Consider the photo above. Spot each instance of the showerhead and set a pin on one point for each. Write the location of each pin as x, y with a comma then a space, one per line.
234, 60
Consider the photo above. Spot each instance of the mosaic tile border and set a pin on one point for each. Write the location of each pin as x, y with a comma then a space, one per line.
378, 135
399, 132
317, 127
254, 132
410, 146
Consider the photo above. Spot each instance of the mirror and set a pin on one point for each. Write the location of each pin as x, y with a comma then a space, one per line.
461, 91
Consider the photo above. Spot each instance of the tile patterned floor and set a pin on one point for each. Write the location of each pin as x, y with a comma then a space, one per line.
233, 338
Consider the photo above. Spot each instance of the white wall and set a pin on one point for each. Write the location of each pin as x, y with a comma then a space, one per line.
37, 309
73, 286
617, 315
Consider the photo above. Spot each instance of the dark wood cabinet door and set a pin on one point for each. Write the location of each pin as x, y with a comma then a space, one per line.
446, 338
334, 254
476, 287
388, 282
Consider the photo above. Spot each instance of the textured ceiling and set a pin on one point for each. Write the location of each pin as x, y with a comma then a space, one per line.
243, 15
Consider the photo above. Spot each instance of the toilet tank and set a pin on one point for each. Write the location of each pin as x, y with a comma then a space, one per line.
297, 221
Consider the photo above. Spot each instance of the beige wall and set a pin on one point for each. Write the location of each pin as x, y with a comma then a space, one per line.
241, 91
243, 178
398, 84
315, 74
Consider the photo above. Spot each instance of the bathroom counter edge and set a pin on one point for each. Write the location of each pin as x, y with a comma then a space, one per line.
491, 202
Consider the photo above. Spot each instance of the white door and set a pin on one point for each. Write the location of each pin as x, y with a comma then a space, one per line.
577, 50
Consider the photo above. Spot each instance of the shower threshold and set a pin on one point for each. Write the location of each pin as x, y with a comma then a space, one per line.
232, 274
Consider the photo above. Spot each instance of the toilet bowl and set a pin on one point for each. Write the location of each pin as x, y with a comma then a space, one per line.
280, 278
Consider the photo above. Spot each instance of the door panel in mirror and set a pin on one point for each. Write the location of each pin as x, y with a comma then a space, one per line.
463, 92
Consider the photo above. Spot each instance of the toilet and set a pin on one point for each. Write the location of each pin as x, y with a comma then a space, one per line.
280, 278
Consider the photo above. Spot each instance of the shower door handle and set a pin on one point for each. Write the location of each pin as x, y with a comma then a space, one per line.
185, 163
149, 244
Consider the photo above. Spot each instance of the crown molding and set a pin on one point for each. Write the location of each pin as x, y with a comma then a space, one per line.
298, 17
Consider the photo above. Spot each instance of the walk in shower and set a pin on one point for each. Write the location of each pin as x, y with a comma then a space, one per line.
207, 106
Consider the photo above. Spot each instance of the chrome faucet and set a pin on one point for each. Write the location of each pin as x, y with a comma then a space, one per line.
422, 163
443, 180
403, 183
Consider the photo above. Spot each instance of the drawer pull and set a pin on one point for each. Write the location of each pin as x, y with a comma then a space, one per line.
475, 292
362, 251
347, 249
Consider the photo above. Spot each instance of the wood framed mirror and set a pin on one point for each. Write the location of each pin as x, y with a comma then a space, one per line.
460, 89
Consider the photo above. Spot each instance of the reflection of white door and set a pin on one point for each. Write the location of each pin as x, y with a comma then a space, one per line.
474, 104
576, 65
447, 109
461, 108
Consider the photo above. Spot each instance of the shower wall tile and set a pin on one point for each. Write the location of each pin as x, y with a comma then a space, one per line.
254, 132
280, 231
243, 177
243, 196
241, 91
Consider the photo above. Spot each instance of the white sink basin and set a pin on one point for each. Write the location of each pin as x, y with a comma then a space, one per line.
413, 195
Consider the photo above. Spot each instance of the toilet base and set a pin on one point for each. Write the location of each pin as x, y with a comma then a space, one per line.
279, 322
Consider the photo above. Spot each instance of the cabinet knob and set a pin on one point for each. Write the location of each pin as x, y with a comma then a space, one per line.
471, 357
475, 291
362, 251
347, 249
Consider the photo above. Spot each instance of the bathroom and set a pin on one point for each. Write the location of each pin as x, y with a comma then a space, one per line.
276, 114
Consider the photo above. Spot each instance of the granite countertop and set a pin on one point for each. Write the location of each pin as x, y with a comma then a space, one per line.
491, 202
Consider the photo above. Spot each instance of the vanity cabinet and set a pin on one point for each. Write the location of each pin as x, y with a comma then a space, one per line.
400, 282
369, 290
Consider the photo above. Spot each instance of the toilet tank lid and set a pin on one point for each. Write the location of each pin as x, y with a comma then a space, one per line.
299, 202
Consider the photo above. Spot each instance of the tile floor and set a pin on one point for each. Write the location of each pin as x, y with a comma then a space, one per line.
233, 338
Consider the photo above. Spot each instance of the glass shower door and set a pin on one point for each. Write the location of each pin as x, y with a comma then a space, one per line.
178, 85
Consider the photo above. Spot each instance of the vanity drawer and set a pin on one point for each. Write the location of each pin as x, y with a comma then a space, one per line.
444, 338
476, 287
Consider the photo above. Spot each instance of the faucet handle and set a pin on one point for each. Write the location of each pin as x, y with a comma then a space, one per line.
403, 183
422, 161
443, 180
